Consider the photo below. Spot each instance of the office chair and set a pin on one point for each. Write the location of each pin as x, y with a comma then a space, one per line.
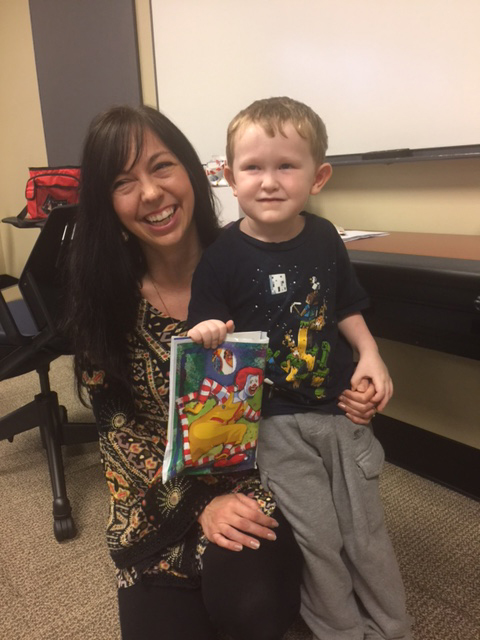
29, 341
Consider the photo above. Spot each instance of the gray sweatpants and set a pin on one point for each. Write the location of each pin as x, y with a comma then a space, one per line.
323, 471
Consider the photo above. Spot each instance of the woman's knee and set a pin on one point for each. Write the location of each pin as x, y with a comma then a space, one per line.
147, 611
254, 594
258, 614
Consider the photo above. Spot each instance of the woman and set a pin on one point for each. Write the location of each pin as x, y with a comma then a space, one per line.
197, 554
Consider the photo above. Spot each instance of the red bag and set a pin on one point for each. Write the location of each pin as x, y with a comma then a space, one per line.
50, 187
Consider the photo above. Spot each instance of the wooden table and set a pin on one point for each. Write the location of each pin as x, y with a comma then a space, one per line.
424, 287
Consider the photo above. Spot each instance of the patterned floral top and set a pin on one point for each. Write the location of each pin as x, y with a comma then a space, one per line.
152, 528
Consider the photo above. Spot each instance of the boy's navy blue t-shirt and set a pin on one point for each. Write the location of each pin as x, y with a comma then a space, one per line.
296, 291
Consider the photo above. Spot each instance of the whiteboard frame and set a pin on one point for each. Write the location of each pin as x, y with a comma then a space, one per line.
197, 72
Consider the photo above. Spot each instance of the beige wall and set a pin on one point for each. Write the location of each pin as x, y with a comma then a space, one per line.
21, 128
440, 196
434, 391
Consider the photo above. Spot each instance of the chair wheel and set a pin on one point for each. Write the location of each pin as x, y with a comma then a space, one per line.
64, 528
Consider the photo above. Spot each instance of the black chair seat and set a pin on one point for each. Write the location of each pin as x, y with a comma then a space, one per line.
22, 318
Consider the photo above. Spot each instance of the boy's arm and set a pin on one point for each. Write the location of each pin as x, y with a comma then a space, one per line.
370, 364
208, 297
208, 315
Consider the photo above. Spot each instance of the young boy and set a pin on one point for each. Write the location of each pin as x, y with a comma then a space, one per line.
285, 271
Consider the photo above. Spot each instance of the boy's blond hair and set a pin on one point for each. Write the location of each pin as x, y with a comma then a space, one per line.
272, 114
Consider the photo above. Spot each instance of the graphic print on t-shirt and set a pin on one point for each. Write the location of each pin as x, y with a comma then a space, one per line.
306, 364
278, 283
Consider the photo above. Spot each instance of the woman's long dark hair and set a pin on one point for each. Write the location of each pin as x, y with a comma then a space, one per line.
105, 271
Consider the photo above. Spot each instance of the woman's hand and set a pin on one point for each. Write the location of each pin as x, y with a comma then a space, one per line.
232, 520
358, 405
211, 333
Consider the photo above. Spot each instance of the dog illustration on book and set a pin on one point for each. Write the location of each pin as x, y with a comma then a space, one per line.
219, 425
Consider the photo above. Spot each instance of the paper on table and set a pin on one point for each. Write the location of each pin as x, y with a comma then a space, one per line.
353, 234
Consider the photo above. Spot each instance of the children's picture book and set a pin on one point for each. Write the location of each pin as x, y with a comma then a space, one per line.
215, 405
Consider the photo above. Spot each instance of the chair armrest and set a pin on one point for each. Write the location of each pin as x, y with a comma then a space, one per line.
26, 223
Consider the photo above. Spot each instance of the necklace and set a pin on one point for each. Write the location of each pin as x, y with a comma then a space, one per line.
159, 296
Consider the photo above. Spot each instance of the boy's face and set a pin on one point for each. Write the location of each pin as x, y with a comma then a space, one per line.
272, 179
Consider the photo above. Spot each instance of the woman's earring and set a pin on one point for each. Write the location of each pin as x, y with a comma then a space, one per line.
125, 236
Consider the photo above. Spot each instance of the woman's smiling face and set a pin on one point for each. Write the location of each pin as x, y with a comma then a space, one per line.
153, 196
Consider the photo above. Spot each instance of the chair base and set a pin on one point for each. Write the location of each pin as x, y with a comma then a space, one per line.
45, 412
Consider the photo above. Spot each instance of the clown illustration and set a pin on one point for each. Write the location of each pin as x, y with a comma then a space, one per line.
219, 425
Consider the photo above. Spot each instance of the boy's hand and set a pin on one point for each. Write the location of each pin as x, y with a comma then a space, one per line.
211, 333
372, 366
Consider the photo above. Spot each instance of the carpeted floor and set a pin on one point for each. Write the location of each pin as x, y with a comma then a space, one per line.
52, 591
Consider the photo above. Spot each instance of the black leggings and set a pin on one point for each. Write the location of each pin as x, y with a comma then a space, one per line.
250, 595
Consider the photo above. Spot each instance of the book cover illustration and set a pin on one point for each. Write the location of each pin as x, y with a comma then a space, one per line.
215, 402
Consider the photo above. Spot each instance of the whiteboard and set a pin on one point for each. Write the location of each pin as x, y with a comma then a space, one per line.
383, 74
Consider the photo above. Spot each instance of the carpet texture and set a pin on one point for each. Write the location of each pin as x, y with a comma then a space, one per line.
52, 591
